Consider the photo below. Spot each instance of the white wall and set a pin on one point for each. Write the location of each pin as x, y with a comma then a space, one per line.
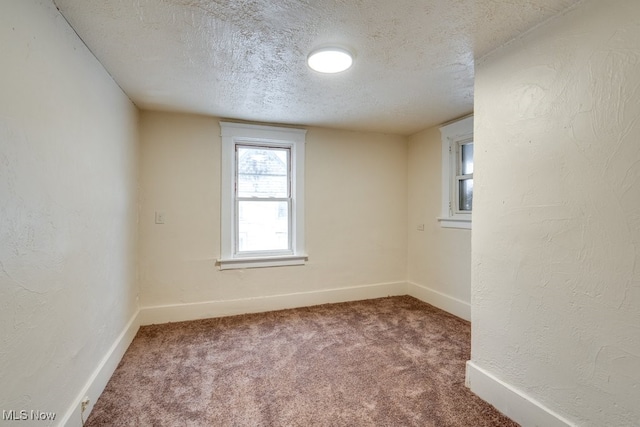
68, 171
556, 238
356, 209
439, 259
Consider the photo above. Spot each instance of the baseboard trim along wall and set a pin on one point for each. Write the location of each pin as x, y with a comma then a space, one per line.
444, 302
101, 375
516, 405
209, 309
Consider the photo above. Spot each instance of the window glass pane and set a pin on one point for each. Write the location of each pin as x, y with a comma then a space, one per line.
466, 163
465, 194
263, 172
263, 226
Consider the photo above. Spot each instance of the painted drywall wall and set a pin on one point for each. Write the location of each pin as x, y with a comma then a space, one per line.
439, 259
355, 225
68, 173
556, 259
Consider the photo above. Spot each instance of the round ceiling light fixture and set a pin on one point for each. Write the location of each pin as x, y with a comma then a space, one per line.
330, 60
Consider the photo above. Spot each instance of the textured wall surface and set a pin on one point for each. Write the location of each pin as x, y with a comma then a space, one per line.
556, 238
438, 258
68, 171
355, 222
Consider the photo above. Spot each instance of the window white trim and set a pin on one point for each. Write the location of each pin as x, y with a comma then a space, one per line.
248, 134
274, 261
454, 223
452, 135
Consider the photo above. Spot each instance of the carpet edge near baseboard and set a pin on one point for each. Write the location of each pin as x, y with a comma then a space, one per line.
512, 402
100, 376
220, 308
457, 307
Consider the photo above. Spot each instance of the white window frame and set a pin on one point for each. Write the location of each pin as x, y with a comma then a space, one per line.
243, 134
453, 135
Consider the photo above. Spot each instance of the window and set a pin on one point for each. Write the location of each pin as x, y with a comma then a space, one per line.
262, 214
457, 174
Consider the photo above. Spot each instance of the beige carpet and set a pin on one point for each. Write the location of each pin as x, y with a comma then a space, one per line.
386, 362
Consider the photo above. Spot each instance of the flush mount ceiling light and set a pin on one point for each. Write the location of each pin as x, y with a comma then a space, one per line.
330, 60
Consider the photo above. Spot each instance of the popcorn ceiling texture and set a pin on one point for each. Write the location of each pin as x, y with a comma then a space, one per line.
386, 362
414, 62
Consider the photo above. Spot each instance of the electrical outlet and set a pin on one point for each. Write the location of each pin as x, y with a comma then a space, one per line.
85, 402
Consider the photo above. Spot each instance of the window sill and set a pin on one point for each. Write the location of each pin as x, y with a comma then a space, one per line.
451, 222
259, 262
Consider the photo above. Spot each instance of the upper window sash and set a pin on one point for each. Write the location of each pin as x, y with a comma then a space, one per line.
287, 160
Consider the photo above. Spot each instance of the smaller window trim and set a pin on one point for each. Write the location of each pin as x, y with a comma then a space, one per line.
453, 135
233, 134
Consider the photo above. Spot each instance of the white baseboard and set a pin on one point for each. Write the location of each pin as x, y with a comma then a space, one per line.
208, 309
444, 302
101, 375
516, 405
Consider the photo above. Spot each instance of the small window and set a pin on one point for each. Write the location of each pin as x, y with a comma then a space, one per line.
464, 177
262, 196
263, 190
457, 174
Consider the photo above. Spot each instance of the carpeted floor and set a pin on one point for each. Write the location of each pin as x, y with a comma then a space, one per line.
386, 362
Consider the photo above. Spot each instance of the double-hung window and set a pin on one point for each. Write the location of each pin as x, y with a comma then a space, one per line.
262, 214
464, 177
457, 174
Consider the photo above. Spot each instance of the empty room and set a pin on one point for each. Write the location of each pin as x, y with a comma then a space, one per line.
202, 223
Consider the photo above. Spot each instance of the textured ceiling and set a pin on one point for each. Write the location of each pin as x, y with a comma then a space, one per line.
246, 59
